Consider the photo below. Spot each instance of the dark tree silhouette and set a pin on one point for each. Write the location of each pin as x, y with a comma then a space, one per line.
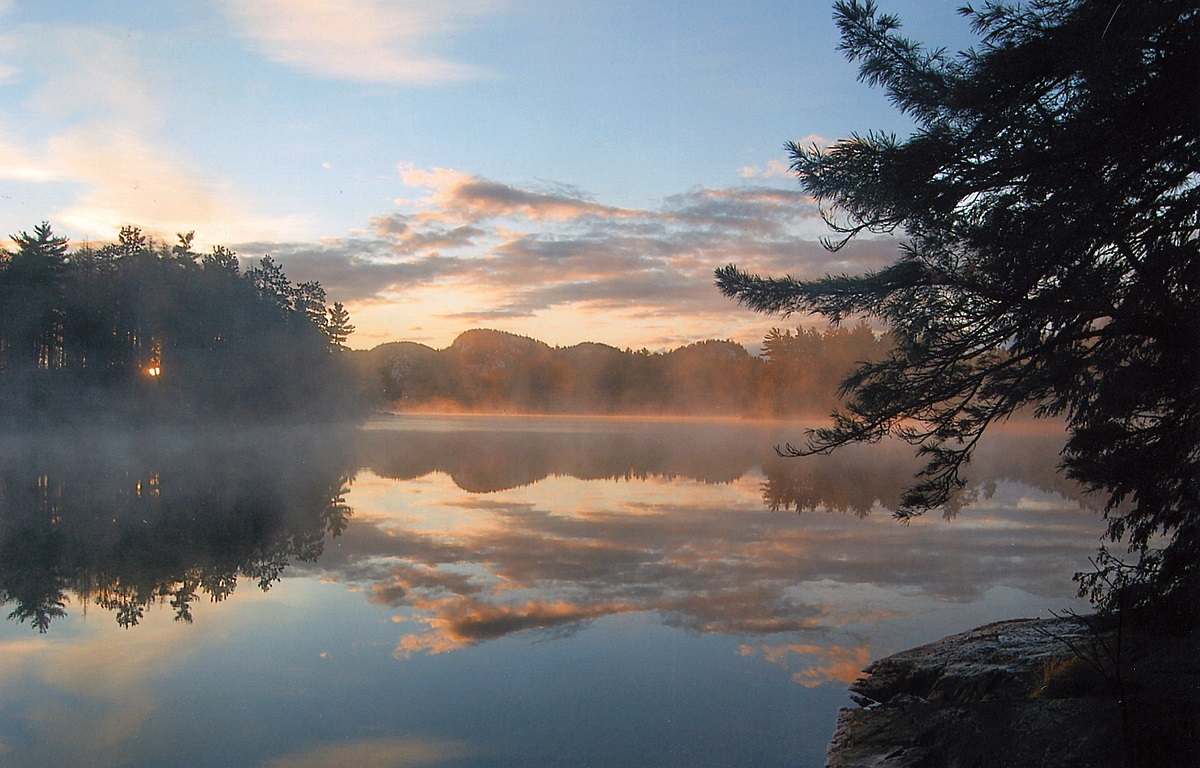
136, 330
338, 326
1050, 199
32, 293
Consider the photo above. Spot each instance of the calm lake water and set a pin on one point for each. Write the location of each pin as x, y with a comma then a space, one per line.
490, 591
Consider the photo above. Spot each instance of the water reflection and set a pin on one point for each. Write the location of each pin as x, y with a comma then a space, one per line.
499, 525
695, 617
124, 521
484, 455
859, 478
536, 544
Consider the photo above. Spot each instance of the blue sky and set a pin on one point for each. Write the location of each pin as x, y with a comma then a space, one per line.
569, 171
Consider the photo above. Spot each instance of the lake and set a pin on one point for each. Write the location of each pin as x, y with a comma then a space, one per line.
490, 591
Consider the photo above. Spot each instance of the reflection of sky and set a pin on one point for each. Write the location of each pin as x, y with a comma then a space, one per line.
656, 621
459, 569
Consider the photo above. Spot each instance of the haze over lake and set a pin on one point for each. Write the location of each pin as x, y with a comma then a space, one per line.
491, 591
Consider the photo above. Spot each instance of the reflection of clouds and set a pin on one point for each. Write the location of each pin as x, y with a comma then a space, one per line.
102, 685
833, 663
551, 555
525, 451
377, 753
93, 694
102, 673
402, 579
457, 623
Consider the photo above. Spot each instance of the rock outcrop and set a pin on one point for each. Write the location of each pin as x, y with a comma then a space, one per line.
1064, 693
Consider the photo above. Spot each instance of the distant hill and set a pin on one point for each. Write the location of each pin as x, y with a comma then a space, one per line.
495, 371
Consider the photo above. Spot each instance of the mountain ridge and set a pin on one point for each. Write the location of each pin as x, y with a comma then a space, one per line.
486, 370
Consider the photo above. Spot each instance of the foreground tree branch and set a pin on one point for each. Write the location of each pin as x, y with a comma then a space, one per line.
1050, 203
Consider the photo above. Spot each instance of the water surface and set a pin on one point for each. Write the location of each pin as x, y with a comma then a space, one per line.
479, 591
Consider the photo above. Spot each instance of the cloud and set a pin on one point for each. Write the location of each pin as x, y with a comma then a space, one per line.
417, 237
459, 197
360, 40
89, 129
359, 269
473, 251
81, 73
782, 167
466, 250
813, 140
18, 164
127, 179
773, 169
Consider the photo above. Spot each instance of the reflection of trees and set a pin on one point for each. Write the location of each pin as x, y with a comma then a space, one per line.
491, 454
123, 522
519, 451
860, 477
705, 558
844, 482
700, 557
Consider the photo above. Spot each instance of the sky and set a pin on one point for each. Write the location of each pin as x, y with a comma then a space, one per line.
567, 171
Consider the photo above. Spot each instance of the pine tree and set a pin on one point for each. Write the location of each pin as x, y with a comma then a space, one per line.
338, 326
1049, 201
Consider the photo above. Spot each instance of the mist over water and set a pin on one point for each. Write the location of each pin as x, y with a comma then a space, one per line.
472, 591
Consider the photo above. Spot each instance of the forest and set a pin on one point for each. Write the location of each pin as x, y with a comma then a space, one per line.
137, 331
797, 373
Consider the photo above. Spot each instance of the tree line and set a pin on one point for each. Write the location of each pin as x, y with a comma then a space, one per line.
136, 328
797, 373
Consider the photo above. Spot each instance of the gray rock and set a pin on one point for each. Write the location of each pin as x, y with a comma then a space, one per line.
1027, 692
